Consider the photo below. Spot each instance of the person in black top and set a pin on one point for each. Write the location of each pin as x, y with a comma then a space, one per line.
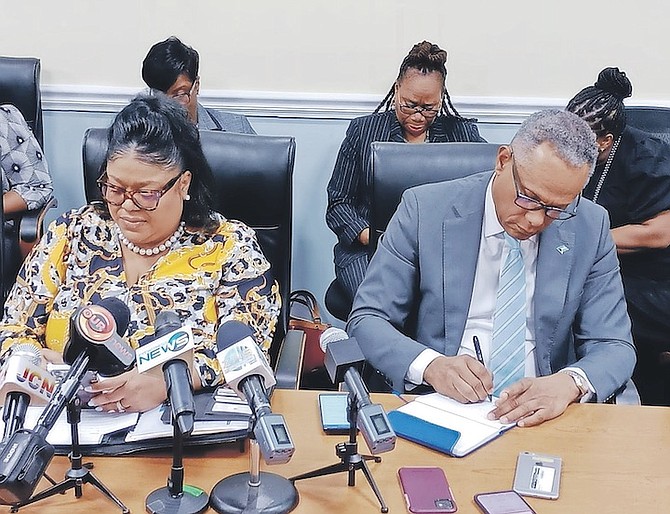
417, 109
632, 181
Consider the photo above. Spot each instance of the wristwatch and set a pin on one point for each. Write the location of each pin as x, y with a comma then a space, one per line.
579, 382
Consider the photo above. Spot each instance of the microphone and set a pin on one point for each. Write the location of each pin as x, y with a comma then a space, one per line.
344, 361
96, 330
26, 455
171, 351
23, 381
248, 373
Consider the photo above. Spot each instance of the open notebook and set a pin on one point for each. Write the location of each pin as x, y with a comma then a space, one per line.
446, 425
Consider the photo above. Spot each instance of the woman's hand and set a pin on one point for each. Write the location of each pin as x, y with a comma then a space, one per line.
51, 356
130, 391
364, 236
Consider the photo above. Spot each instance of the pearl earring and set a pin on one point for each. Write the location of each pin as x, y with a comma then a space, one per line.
187, 197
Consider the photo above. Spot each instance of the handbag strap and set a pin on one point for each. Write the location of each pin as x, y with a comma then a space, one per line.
307, 299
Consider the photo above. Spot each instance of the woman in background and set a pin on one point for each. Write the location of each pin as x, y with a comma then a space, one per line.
632, 181
417, 109
26, 182
155, 244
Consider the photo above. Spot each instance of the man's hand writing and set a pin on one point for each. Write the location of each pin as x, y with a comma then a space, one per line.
462, 378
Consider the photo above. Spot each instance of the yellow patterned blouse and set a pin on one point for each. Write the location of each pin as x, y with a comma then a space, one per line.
78, 261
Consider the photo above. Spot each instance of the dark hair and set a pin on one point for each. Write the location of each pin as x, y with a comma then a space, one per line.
156, 130
166, 61
601, 105
426, 58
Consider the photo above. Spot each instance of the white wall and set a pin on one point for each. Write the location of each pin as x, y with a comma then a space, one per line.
304, 67
525, 48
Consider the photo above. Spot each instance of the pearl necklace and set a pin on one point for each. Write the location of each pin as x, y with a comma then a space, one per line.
151, 251
606, 170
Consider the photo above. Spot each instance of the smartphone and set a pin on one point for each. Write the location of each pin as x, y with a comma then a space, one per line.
333, 409
503, 502
426, 490
537, 475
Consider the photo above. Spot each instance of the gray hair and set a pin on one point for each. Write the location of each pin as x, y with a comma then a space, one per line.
571, 137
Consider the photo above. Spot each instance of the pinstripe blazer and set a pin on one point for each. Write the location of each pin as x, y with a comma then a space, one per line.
348, 211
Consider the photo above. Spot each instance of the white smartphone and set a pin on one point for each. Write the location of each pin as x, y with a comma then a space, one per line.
537, 475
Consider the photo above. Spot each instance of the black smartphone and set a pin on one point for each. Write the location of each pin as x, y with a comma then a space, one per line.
503, 502
333, 410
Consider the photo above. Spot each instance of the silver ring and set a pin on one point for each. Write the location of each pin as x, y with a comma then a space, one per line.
120, 407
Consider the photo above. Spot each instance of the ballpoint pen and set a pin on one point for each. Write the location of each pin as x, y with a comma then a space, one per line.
480, 358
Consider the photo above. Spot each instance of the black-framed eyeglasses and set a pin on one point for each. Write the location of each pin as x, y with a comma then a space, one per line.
409, 109
145, 199
531, 204
184, 97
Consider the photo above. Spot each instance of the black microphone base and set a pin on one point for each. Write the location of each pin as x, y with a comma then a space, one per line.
274, 495
193, 500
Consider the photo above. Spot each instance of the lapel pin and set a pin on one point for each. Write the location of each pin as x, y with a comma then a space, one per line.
562, 249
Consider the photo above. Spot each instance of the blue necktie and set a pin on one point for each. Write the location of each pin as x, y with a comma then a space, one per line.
509, 321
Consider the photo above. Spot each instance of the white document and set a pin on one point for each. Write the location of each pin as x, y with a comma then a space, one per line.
150, 426
93, 425
469, 419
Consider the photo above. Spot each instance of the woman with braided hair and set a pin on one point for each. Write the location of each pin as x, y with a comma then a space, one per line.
417, 109
632, 181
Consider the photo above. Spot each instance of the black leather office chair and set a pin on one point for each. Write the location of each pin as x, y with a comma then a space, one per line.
655, 120
253, 176
399, 166
20, 86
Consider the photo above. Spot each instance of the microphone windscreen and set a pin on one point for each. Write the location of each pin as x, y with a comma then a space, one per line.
28, 351
166, 322
119, 311
232, 332
330, 335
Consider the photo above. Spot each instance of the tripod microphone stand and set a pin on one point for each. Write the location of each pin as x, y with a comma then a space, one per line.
78, 474
350, 459
173, 498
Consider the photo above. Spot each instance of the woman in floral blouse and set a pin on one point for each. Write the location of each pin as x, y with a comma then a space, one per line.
155, 244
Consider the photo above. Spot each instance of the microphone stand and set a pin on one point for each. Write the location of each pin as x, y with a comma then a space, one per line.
173, 499
256, 491
350, 459
78, 474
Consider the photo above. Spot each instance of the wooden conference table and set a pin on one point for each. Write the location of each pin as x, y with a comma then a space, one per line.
616, 459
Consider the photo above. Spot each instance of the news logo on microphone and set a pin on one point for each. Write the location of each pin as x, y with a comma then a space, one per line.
154, 354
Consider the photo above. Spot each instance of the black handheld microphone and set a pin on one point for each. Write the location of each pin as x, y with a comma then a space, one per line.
248, 373
171, 351
26, 455
344, 361
96, 330
23, 381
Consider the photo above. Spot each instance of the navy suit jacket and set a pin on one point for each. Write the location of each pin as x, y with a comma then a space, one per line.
421, 277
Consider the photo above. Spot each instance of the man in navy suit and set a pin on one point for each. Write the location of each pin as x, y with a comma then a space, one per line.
432, 283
